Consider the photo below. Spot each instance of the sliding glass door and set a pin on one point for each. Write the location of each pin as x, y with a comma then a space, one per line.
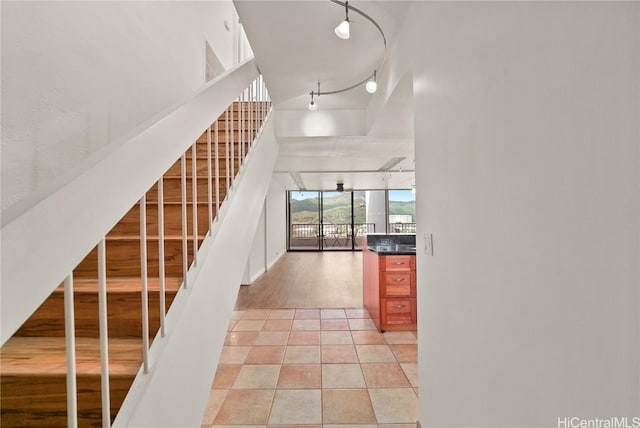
334, 221
337, 219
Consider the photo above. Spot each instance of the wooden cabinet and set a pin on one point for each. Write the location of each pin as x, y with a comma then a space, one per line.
390, 290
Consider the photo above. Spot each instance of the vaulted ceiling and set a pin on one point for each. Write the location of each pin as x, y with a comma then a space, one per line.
295, 47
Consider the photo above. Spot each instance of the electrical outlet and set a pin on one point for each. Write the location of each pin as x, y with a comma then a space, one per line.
428, 244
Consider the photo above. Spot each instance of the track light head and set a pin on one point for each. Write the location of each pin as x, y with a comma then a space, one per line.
372, 85
312, 105
342, 30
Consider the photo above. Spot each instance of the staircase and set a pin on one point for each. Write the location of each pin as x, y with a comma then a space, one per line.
33, 362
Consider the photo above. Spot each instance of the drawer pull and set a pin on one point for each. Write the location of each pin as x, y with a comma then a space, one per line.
399, 306
398, 279
397, 263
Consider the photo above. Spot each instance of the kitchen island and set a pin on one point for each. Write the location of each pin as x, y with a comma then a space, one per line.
389, 280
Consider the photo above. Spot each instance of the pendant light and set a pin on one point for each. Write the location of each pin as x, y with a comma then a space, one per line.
342, 30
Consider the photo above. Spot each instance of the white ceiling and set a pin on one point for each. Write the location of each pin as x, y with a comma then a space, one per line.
295, 46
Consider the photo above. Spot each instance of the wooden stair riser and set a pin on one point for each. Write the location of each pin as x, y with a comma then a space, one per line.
201, 167
255, 118
41, 401
201, 152
124, 314
234, 135
173, 190
130, 223
236, 105
123, 257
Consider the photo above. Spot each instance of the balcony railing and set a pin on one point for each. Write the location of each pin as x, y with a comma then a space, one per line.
402, 228
331, 235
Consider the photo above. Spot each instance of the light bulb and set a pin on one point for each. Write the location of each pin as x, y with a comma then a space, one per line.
342, 30
313, 106
371, 86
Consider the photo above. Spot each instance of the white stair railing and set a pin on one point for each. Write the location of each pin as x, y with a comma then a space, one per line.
33, 265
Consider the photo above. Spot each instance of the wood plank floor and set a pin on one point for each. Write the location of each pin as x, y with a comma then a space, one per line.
307, 280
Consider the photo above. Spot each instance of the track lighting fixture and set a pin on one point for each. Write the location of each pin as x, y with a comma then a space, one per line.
372, 85
342, 30
312, 105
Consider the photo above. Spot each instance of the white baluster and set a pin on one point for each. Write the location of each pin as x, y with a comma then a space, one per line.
70, 345
226, 125
145, 286
104, 334
161, 273
251, 115
233, 139
194, 201
183, 183
215, 135
209, 179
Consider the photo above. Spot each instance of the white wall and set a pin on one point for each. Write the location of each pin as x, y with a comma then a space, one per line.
276, 222
527, 168
269, 243
78, 75
256, 260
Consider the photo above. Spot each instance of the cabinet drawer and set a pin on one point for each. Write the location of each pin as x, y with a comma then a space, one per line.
399, 311
399, 284
397, 263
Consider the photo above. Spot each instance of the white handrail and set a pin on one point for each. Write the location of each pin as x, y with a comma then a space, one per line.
32, 258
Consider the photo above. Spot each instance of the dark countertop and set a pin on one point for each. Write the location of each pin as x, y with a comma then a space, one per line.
393, 250
392, 244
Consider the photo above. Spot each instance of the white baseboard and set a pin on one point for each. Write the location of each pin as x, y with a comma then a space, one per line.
257, 275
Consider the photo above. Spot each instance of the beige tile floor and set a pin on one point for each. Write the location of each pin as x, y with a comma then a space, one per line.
313, 368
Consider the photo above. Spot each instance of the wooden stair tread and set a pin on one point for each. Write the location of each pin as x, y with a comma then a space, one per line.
45, 356
151, 237
178, 203
122, 285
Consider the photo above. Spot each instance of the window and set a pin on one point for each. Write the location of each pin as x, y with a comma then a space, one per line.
402, 211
